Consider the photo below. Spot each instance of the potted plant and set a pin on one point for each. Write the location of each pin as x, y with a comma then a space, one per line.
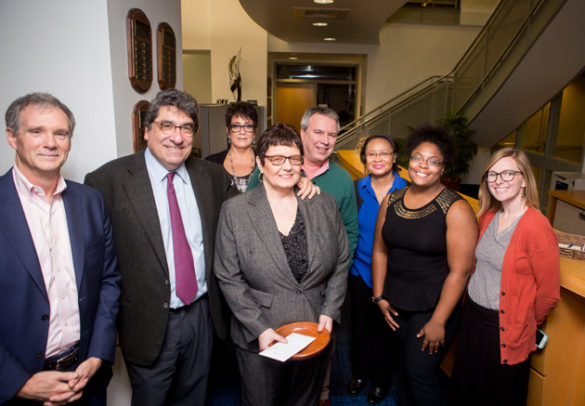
458, 126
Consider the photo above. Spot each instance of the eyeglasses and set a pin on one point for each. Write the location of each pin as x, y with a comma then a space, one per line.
169, 128
417, 159
236, 128
506, 176
278, 160
381, 154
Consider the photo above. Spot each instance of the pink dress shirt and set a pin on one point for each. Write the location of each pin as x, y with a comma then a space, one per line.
47, 223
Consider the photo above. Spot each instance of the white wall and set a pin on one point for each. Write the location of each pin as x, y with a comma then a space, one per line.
61, 47
77, 51
223, 27
125, 97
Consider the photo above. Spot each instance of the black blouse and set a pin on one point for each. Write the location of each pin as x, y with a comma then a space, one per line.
417, 251
295, 248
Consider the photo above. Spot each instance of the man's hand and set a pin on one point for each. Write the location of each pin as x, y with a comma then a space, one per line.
307, 188
50, 387
85, 372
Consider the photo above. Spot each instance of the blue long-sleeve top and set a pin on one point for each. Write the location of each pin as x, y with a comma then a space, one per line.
367, 214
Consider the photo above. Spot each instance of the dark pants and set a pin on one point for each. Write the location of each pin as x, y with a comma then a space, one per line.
419, 379
266, 382
479, 378
372, 357
179, 375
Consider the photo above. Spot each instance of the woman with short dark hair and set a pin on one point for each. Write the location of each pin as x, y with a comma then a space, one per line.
278, 260
371, 359
239, 159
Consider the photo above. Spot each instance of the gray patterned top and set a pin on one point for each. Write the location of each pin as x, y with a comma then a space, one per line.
484, 286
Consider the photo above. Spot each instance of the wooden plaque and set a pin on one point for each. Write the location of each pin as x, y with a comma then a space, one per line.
138, 127
166, 51
139, 36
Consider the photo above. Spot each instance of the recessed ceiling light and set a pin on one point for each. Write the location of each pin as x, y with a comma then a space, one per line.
320, 24
293, 58
329, 39
323, 1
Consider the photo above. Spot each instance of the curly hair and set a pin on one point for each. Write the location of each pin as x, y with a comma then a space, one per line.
435, 135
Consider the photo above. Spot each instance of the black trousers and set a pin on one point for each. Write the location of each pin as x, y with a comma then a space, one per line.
373, 356
478, 376
179, 375
420, 380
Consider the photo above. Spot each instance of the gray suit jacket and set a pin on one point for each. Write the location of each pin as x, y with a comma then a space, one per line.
145, 297
254, 275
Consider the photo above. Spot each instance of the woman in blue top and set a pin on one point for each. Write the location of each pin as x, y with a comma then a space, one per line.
371, 357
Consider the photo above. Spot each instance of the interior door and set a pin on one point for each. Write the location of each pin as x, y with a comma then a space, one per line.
292, 99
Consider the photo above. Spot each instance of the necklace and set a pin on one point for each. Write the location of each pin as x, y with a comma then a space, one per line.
241, 182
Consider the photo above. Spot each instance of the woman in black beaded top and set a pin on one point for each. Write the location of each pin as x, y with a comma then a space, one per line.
422, 256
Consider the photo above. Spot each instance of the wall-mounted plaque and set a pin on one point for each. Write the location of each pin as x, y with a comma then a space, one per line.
138, 126
166, 52
139, 50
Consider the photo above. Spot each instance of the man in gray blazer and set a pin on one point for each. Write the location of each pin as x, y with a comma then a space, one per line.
169, 296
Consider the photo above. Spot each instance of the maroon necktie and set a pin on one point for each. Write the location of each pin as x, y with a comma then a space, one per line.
185, 280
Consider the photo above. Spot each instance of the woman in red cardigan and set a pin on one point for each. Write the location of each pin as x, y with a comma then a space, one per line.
514, 286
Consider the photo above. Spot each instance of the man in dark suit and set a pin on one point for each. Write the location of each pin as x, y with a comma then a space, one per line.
58, 271
164, 228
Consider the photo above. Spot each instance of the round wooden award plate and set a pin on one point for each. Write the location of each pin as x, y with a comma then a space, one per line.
307, 328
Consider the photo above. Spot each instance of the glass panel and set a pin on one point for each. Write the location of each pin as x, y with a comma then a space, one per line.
508, 141
534, 130
571, 132
340, 98
316, 72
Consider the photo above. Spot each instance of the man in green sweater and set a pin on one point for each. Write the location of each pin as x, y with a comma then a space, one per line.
319, 129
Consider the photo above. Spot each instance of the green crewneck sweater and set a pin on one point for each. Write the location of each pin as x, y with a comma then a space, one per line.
338, 183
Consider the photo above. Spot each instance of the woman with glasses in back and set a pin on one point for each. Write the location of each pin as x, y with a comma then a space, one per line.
239, 160
280, 259
371, 358
514, 286
422, 255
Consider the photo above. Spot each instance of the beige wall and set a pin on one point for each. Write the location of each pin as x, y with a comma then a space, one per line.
197, 75
223, 27
407, 55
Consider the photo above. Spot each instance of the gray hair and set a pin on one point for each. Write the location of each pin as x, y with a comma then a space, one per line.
36, 99
323, 110
173, 97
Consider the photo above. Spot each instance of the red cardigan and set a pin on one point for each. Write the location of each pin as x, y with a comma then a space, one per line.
530, 284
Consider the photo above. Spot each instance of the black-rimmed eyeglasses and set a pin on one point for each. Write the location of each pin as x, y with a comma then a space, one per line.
506, 176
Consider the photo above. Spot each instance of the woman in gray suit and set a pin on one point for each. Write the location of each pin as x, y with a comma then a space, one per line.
279, 260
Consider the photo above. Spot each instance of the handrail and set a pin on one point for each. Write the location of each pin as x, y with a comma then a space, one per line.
526, 10
383, 105
534, 9
400, 100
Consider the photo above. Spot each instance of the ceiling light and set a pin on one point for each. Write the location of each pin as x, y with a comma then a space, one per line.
323, 1
329, 39
293, 58
320, 24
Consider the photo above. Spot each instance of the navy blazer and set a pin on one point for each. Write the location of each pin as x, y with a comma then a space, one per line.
24, 304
